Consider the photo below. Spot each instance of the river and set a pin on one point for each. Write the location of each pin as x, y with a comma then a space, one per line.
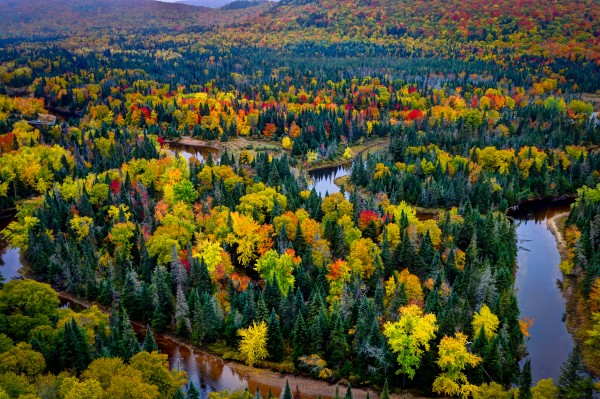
539, 299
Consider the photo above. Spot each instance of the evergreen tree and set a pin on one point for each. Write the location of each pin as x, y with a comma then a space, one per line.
287, 392
349, 393
525, 382
192, 392
574, 382
385, 393
262, 312
162, 298
75, 350
122, 341
182, 314
300, 338
149, 342
338, 341
274, 338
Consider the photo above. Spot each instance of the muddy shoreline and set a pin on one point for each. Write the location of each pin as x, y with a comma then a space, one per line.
188, 141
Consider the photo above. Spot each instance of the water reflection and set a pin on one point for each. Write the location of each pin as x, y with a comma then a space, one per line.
200, 153
323, 179
208, 373
539, 297
9, 257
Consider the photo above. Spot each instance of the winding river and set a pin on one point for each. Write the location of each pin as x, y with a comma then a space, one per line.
538, 295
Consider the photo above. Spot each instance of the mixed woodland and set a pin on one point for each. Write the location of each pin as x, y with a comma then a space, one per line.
465, 108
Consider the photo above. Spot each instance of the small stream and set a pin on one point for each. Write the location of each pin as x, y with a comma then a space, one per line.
539, 298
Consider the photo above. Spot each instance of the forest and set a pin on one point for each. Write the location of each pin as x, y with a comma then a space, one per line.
450, 115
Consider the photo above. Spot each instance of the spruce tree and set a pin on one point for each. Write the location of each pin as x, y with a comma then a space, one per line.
385, 393
262, 312
162, 298
123, 341
525, 382
192, 392
183, 324
149, 341
574, 382
349, 393
287, 392
300, 338
337, 393
75, 350
338, 341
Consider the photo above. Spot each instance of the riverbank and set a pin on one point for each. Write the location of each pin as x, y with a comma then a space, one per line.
233, 146
192, 142
556, 224
577, 318
360, 149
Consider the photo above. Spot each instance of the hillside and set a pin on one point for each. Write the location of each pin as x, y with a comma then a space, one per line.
452, 29
45, 18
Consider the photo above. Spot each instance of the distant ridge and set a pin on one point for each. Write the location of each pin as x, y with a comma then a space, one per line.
224, 4
203, 3
57, 17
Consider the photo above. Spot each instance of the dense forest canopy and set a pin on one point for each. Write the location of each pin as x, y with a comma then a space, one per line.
459, 109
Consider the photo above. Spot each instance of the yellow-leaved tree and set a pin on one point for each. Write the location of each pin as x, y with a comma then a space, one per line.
486, 320
454, 358
253, 345
409, 337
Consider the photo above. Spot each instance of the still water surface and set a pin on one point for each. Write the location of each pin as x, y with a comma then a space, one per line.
9, 257
200, 153
539, 297
323, 179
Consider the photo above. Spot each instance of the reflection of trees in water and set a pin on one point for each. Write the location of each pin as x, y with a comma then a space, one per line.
200, 153
209, 373
323, 179
3, 242
539, 211
3, 248
330, 173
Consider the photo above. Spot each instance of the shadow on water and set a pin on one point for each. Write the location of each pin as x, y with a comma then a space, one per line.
538, 295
